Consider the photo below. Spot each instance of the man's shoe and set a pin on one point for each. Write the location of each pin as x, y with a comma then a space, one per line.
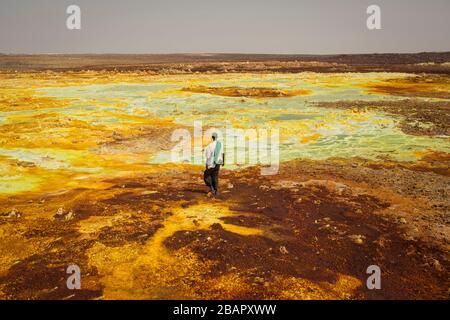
211, 193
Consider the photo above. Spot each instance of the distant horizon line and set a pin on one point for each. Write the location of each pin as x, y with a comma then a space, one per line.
217, 53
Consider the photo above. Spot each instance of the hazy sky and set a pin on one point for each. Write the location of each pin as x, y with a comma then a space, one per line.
245, 26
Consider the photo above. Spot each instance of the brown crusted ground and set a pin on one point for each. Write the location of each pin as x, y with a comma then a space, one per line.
427, 62
247, 92
415, 113
327, 218
428, 86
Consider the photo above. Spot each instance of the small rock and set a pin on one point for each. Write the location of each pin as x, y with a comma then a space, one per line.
216, 226
258, 280
340, 188
357, 238
410, 250
69, 216
403, 220
60, 212
283, 250
437, 265
230, 186
143, 236
26, 164
13, 214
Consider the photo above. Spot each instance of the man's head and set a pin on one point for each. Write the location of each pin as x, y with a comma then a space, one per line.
214, 136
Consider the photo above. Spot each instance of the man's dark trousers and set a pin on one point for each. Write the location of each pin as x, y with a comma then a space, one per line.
211, 177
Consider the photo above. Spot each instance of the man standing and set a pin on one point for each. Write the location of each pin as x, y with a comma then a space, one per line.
214, 159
